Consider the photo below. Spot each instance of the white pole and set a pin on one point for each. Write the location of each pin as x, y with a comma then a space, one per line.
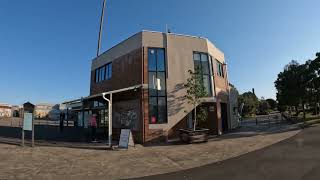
110, 121
101, 25
109, 117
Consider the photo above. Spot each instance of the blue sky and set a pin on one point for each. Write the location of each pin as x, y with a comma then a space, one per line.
46, 46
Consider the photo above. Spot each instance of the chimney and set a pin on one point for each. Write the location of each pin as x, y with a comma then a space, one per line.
253, 91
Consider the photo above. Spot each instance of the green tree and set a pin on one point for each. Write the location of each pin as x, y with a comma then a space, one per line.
298, 85
314, 85
250, 102
195, 90
263, 107
288, 85
272, 103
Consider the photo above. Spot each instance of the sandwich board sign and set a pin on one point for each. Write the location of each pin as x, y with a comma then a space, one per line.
126, 139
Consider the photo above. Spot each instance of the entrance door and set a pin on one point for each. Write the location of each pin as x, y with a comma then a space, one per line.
224, 117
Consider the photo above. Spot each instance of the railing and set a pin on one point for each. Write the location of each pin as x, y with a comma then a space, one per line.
18, 122
270, 119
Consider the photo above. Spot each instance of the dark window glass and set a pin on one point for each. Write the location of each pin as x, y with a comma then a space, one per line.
152, 84
157, 86
102, 73
162, 110
196, 56
211, 66
220, 69
207, 84
205, 63
201, 61
161, 83
197, 66
197, 62
160, 60
109, 71
222, 73
152, 62
153, 110
97, 75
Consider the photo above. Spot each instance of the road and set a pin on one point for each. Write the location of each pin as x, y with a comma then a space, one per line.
297, 158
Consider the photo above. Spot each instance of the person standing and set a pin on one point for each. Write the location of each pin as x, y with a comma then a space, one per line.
61, 121
93, 124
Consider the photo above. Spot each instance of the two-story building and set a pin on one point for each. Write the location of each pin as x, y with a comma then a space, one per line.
146, 75
5, 110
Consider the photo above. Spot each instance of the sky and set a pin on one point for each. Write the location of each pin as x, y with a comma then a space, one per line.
46, 47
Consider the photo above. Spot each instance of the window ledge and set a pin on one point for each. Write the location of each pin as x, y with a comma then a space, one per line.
158, 126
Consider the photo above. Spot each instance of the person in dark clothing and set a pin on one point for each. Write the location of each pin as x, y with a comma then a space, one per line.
61, 121
93, 124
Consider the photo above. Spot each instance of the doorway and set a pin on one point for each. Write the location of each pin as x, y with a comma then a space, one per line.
224, 117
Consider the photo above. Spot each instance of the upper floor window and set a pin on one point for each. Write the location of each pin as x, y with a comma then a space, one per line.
103, 73
220, 69
201, 64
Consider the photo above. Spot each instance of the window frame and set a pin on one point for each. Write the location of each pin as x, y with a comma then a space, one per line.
102, 73
220, 71
209, 74
157, 96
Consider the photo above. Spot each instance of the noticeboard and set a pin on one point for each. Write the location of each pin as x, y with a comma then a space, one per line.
125, 139
27, 122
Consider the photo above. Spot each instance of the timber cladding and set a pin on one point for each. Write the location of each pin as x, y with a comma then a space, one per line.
126, 72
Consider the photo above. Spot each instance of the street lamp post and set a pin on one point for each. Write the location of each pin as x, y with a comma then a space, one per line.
101, 25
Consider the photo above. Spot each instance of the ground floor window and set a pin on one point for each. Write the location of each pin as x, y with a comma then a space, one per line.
157, 110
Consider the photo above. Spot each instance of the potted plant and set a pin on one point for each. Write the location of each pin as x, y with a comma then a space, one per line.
195, 91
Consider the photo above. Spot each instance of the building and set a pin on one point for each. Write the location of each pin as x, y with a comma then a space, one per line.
17, 111
5, 110
234, 109
146, 75
47, 111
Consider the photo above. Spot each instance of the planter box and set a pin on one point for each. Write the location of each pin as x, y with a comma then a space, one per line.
191, 136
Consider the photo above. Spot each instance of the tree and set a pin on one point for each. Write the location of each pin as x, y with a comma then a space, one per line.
286, 84
272, 103
299, 85
250, 102
195, 90
263, 107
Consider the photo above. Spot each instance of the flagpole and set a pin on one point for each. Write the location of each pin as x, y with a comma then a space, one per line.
101, 25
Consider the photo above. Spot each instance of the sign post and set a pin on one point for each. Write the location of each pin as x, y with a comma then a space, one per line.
28, 125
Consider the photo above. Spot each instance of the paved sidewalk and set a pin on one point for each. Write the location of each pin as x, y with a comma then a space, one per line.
296, 158
68, 163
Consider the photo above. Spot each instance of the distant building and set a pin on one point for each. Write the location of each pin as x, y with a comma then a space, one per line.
17, 111
47, 111
233, 102
5, 110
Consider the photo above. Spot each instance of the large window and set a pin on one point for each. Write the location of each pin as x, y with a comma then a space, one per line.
201, 63
157, 86
220, 69
103, 73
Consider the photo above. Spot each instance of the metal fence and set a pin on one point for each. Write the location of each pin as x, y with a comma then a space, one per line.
270, 119
18, 122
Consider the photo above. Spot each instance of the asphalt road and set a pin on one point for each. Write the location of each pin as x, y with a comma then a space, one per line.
297, 158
